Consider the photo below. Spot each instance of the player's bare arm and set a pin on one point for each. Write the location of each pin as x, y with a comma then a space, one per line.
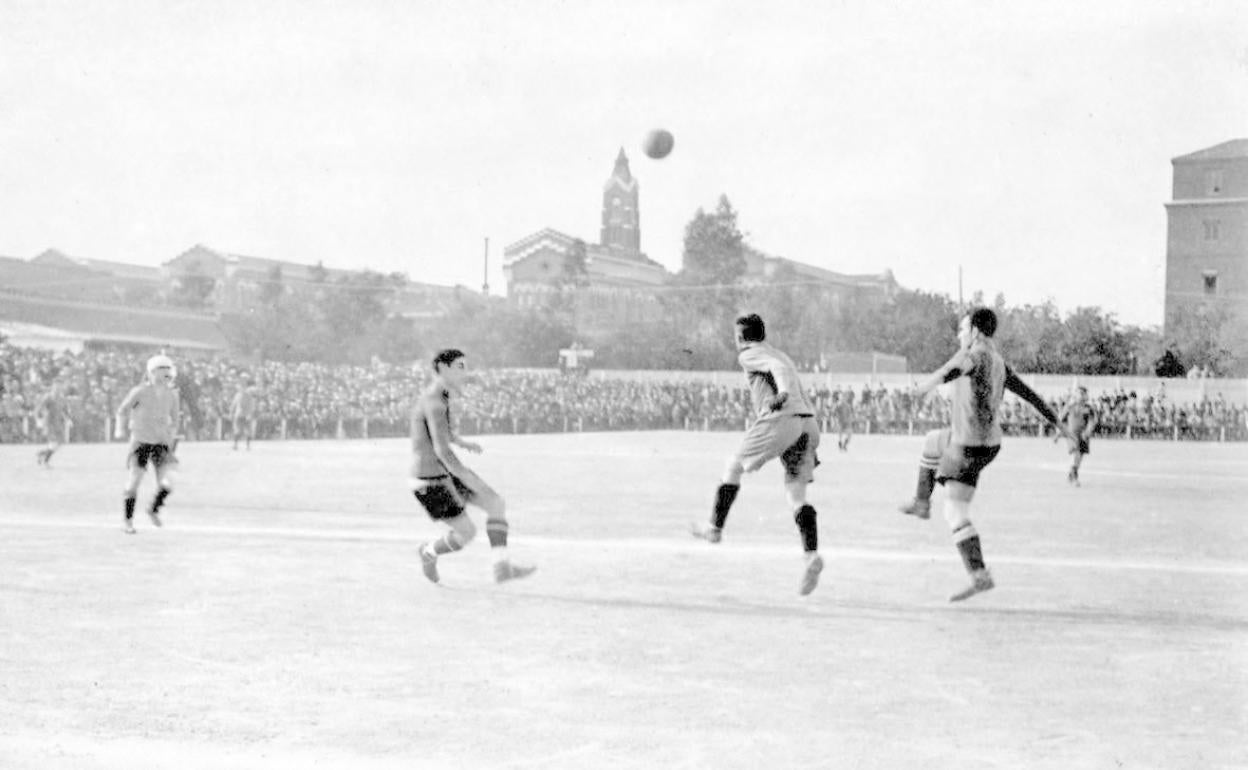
123, 413
466, 445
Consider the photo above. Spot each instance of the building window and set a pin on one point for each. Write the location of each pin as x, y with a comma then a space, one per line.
1213, 229
1211, 281
1214, 182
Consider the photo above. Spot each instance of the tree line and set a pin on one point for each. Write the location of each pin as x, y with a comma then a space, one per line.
346, 321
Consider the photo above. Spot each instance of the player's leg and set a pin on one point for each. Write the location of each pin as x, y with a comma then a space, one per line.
235, 428
443, 503
41, 457
1076, 459
164, 482
725, 496
763, 442
959, 471
136, 465
934, 444
799, 462
251, 432
481, 495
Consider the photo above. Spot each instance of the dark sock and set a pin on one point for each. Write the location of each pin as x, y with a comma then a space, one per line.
724, 497
969, 548
927, 482
129, 508
806, 524
159, 500
496, 531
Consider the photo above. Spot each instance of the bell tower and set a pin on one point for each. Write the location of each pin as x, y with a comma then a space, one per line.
621, 216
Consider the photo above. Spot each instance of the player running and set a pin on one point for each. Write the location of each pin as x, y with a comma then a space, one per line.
445, 486
955, 456
52, 418
151, 412
1079, 418
784, 427
243, 414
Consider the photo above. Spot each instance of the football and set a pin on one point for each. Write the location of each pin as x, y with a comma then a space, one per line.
658, 143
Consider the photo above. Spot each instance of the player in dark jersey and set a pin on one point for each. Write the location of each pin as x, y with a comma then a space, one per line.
445, 486
1080, 420
955, 456
784, 427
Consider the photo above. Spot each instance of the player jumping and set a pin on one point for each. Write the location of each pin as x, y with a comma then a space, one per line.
151, 412
445, 486
784, 427
955, 456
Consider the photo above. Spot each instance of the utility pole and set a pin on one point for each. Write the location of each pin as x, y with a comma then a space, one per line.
485, 277
960, 305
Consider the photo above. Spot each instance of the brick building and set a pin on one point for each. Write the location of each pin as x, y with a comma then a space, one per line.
1207, 235
605, 283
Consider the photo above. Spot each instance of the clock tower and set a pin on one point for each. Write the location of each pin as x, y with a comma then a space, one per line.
621, 216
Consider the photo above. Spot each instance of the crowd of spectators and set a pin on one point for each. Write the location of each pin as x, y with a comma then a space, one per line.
320, 401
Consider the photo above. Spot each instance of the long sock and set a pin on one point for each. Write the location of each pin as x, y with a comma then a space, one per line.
129, 507
724, 497
806, 524
496, 531
927, 483
159, 500
967, 541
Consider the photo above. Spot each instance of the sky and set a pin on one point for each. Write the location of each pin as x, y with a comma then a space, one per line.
1026, 143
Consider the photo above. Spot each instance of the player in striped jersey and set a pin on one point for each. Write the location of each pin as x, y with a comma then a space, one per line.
443, 485
151, 412
955, 456
784, 427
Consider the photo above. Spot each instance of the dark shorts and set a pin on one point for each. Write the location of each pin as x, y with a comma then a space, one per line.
443, 497
963, 464
158, 454
1080, 446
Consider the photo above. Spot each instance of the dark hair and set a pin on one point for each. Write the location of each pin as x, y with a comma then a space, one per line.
446, 358
752, 329
985, 320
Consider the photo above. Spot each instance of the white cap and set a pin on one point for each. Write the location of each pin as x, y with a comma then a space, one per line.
158, 362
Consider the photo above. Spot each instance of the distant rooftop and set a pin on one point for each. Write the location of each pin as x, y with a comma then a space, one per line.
1235, 148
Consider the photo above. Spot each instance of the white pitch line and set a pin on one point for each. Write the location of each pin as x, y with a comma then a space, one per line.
674, 544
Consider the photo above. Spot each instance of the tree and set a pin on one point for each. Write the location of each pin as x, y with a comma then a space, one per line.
714, 249
1203, 334
1094, 343
272, 289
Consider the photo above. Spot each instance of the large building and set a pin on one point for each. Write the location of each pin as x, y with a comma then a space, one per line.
611, 282
1207, 234
604, 283
66, 302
